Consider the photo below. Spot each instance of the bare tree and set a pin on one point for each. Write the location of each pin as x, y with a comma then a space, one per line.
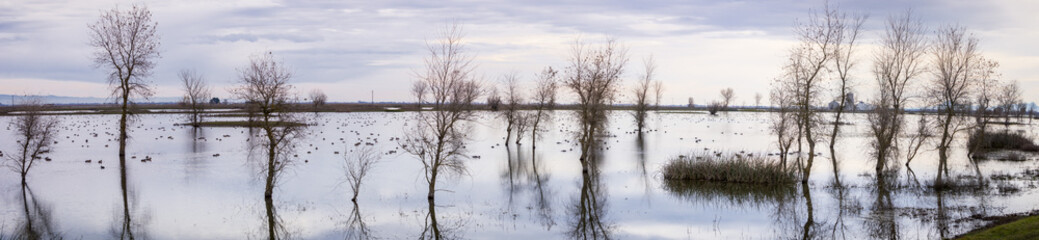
882, 125
35, 133
897, 64
494, 99
918, 139
714, 107
264, 85
196, 94
727, 97
899, 60
805, 71
691, 103
986, 94
127, 46
783, 123
318, 98
359, 162
438, 140
593, 75
513, 100
1009, 96
641, 94
757, 99
956, 58
418, 89
846, 30
544, 100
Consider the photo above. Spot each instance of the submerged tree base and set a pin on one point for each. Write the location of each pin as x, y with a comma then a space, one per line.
728, 168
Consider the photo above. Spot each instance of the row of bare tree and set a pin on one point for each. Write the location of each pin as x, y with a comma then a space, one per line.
947, 68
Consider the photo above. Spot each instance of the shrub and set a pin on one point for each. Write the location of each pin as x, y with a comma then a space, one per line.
987, 141
728, 168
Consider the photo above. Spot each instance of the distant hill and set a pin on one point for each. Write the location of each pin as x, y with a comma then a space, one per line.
7, 99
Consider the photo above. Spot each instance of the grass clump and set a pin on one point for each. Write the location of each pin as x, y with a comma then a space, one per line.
1025, 228
989, 141
728, 168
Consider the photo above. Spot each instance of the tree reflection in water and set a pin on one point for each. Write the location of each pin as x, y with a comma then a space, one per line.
882, 222
542, 196
355, 226
37, 222
439, 230
515, 174
588, 210
127, 226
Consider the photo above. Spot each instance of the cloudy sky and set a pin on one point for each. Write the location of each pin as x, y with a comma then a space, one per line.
351, 48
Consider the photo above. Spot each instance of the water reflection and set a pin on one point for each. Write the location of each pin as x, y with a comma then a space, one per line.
640, 147
355, 225
130, 222
432, 229
542, 194
882, 222
515, 174
588, 210
733, 194
274, 225
37, 222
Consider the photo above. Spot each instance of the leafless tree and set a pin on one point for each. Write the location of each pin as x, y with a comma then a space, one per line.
954, 75
438, 140
513, 101
1009, 96
897, 64
783, 123
593, 75
986, 94
264, 85
318, 98
128, 47
846, 30
641, 94
882, 126
691, 103
727, 97
196, 94
359, 162
919, 138
805, 70
494, 99
714, 107
544, 101
418, 89
35, 133
757, 99
522, 124
900, 59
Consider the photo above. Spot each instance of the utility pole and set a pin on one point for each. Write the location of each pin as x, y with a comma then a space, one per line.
373, 97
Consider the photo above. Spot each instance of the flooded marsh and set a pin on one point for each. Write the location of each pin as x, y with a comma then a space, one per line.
180, 182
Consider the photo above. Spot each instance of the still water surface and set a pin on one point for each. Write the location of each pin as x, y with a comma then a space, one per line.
514, 192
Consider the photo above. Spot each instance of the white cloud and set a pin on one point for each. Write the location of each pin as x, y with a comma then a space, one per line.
353, 48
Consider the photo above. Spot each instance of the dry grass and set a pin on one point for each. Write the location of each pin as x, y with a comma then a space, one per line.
1001, 140
728, 168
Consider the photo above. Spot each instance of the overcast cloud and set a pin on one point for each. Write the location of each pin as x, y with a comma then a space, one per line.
351, 48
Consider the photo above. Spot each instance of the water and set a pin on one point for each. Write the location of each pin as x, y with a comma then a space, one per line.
507, 192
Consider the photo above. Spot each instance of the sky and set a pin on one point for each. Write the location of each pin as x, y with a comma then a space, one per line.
357, 50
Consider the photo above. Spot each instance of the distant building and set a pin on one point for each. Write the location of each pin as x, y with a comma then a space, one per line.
849, 103
214, 101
